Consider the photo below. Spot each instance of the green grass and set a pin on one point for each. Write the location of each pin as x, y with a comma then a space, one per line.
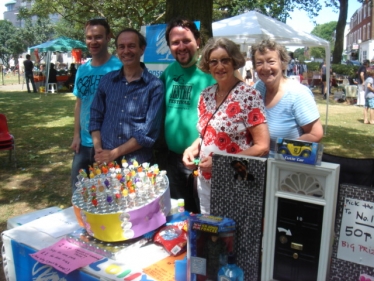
346, 134
43, 128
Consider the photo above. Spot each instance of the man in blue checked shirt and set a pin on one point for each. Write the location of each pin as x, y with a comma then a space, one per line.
127, 111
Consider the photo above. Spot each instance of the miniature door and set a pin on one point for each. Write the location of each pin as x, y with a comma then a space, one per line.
298, 238
300, 208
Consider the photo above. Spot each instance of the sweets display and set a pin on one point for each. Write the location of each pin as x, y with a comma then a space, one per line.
116, 203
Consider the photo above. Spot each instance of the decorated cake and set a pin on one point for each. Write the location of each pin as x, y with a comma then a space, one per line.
117, 203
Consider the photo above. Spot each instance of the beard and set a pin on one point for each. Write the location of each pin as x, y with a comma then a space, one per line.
187, 59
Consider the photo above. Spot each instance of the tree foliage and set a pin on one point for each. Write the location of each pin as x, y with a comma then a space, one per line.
325, 31
9, 42
136, 13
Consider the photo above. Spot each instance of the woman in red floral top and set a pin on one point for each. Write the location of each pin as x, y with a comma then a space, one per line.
231, 115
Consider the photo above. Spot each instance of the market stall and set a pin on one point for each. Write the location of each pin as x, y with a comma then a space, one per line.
61, 44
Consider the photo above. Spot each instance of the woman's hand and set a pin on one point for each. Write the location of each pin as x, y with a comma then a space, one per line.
206, 164
191, 154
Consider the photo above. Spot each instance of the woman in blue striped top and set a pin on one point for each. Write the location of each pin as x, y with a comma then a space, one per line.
290, 108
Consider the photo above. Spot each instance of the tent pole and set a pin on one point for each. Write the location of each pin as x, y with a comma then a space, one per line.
328, 66
48, 62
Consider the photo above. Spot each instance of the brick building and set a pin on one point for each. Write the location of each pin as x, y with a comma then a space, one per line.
360, 44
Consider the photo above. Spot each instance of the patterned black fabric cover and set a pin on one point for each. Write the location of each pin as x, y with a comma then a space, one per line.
243, 202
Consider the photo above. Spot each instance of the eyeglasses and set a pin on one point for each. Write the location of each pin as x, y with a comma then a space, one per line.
224, 62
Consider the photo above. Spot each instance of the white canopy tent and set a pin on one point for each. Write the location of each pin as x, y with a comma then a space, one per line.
252, 27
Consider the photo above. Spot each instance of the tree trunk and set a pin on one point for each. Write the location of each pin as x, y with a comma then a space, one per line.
196, 10
340, 27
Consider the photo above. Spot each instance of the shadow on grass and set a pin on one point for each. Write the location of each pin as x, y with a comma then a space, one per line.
43, 130
344, 142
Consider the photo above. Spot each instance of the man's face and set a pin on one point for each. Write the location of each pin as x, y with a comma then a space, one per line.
128, 49
183, 46
97, 40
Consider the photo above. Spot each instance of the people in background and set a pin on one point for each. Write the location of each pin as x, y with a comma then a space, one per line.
29, 75
52, 76
231, 116
183, 82
98, 36
248, 72
127, 110
12, 65
361, 80
290, 108
322, 70
369, 98
291, 64
72, 73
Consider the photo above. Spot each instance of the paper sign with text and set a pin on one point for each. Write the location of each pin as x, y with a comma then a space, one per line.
356, 241
164, 269
65, 257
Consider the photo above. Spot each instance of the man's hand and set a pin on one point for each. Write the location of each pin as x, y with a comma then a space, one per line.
75, 144
104, 156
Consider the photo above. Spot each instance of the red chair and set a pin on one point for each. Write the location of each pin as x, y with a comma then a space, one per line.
6, 139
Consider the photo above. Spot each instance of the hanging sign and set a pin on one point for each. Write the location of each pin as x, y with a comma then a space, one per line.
356, 241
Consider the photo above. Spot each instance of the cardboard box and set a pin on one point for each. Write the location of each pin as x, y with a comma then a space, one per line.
298, 151
20, 220
26, 239
210, 238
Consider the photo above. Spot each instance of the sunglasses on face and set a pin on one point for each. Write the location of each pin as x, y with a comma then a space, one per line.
223, 61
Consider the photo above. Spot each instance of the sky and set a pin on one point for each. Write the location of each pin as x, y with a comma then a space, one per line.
299, 19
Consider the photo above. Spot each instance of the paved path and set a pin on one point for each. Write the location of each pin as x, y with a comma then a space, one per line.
13, 88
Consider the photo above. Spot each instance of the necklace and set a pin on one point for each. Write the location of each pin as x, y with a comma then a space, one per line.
219, 95
225, 94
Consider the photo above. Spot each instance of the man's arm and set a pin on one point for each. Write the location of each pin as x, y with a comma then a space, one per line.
147, 134
76, 138
362, 76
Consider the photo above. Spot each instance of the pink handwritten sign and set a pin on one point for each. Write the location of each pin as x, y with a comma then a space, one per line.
65, 256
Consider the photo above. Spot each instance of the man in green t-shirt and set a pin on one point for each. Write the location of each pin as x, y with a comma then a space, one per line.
183, 84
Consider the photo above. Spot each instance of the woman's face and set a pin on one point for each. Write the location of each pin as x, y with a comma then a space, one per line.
221, 65
269, 66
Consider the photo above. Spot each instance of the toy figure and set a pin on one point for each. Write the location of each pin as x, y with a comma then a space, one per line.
213, 250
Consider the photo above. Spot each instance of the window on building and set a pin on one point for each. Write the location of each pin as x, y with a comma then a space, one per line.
10, 7
369, 10
364, 55
368, 32
364, 33
364, 11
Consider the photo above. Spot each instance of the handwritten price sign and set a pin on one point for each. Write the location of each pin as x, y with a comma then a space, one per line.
65, 257
356, 241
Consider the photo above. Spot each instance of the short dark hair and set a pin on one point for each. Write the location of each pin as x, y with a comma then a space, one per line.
28, 57
182, 22
366, 62
142, 40
99, 21
238, 60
